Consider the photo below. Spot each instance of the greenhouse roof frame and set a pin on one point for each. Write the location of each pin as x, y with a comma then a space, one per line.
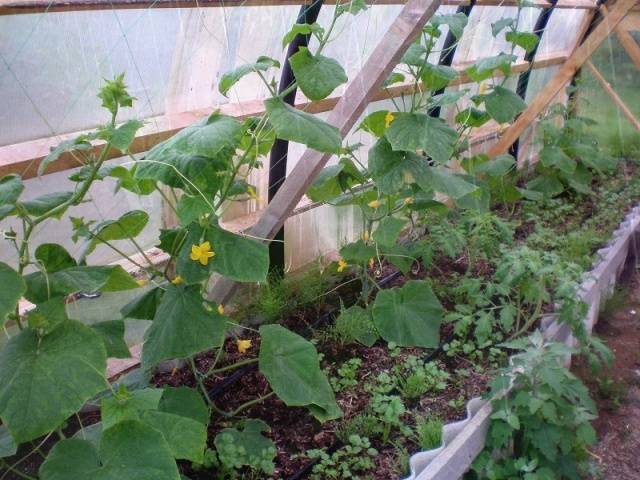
25, 157
14, 7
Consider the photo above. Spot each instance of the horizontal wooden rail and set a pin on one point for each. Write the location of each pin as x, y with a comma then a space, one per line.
24, 158
16, 7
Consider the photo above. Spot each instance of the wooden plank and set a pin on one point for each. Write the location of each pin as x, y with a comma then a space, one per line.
17, 7
630, 46
614, 96
564, 75
24, 158
631, 23
359, 93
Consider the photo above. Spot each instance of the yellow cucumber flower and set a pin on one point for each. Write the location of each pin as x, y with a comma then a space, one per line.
483, 89
177, 280
365, 235
408, 200
342, 265
202, 253
374, 203
243, 345
221, 309
388, 118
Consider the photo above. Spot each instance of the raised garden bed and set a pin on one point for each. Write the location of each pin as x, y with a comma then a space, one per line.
463, 441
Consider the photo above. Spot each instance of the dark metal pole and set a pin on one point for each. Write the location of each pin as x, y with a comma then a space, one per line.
523, 78
278, 157
449, 51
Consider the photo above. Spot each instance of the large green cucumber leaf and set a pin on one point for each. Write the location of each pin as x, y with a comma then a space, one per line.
44, 380
291, 365
11, 187
200, 153
182, 327
11, 290
417, 131
236, 257
42, 204
554, 156
127, 405
41, 287
186, 402
129, 225
455, 21
8, 447
503, 105
53, 257
409, 316
179, 414
143, 307
485, 67
297, 126
317, 75
229, 79
112, 334
389, 230
129, 450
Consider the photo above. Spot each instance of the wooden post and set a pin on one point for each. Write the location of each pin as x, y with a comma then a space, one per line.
404, 30
566, 72
630, 45
614, 96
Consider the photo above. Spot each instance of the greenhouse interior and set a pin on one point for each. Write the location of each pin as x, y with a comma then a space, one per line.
307, 239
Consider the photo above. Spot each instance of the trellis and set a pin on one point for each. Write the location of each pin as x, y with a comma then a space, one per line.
344, 110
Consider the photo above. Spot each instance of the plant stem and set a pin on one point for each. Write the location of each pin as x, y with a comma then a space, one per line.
230, 367
17, 472
198, 376
244, 406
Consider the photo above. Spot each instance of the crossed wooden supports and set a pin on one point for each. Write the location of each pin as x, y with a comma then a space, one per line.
401, 34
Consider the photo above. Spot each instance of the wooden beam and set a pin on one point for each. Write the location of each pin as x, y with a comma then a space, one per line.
24, 158
17, 7
614, 96
359, 93
564, 75
631, 23
630, 46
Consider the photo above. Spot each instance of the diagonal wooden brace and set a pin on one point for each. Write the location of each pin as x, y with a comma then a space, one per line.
404, 30
564, 75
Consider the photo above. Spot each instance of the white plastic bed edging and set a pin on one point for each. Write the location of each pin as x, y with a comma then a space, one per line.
462, 441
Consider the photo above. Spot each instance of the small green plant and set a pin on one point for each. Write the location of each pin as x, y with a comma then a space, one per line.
457, 403
417, 377
428, 432
346, 375
353, 460
389, 410
364, 424
541, 418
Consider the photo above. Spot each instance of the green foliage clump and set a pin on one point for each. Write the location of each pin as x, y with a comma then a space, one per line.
541, 417
417, 378
353, 460
428, 432
346, 375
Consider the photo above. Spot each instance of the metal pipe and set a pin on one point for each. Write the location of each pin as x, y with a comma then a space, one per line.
279, 151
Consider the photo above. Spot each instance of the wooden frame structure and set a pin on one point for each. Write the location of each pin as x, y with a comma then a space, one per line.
345, 109
13, 7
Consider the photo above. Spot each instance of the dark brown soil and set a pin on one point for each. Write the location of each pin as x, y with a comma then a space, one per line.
617, 391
